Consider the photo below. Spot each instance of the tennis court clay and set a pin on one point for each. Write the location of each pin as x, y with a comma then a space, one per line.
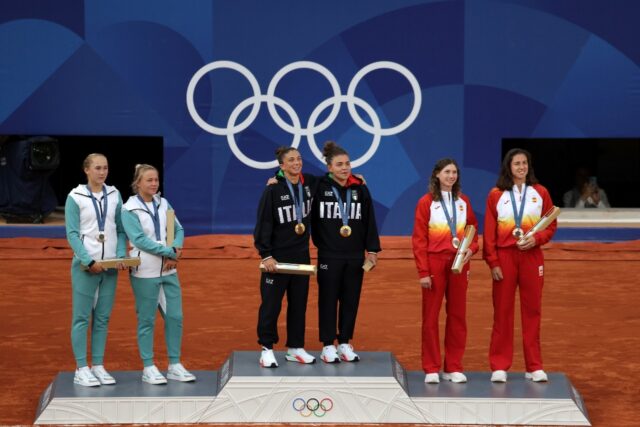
590, 329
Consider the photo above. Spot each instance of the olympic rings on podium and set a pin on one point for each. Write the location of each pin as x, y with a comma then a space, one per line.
319, 408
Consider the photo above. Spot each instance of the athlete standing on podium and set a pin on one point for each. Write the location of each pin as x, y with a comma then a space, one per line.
94, 232
282, 235
345, 233
144, 217
513, 208
440, 220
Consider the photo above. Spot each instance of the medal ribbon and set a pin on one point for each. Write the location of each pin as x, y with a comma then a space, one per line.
517, 216
101, 214
344, 209
154, 216
451, 221
296, 203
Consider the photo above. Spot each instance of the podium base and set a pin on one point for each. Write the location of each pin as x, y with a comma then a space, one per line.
375, 390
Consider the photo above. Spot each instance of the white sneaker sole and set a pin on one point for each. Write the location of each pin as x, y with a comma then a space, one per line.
299, 359
449, 377
528, 376
326, 360
82, 383
272, 365
106, 382
154, 381
172, 377
346, 359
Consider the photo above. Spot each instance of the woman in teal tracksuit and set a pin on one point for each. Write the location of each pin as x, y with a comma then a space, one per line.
155, 281
95, 233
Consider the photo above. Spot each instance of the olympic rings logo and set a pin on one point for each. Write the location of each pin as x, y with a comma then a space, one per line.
319, 408
295, 127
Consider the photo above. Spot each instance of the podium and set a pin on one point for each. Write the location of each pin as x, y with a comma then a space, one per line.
375, 390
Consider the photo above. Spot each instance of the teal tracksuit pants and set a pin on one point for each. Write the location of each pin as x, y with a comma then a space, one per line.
84, 285
146, 291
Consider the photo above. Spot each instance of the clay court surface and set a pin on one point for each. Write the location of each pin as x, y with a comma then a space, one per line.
590, 329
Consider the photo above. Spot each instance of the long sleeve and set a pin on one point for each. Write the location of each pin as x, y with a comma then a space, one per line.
472, 220
545, 235
489, 241
420, 237
372, 243
264, 225
72, 227
121, 248
136, 235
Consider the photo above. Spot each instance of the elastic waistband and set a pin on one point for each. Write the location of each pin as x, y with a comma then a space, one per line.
442, 255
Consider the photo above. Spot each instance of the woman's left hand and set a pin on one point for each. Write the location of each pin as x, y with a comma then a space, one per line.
360, 177
526, 243
170, 264
373, 258
467, 256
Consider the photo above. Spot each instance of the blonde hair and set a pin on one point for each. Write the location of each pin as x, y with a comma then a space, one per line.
89, 159
140, 169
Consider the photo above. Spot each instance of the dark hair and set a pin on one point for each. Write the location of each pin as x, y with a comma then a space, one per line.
505, 179
137, 175
434, 182
330, 150
282, 151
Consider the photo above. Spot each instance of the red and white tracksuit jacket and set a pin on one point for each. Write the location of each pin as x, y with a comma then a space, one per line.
434, 255
524, 269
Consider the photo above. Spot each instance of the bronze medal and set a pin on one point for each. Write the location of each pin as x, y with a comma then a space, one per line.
300, 228
455, 242
345, 231
517, 232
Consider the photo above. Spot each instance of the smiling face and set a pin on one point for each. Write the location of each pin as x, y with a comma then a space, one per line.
340, 167
148, 184
519, 168
447, 177
97, 172
291, 164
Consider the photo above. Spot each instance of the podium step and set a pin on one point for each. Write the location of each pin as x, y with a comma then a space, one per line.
375, 390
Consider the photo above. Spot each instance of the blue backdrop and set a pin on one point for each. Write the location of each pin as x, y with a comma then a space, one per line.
484, 69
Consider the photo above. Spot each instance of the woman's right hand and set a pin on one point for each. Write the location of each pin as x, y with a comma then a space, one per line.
425, 282
96, 268
496, 273
270, 265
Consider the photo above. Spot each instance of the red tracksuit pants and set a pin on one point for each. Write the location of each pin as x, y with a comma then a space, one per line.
523, 269
454, 287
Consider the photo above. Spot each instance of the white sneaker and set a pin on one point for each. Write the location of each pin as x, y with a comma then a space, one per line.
102, 375
177, 372
454, 377
85, 378
432, 378
151, 375
538, 376
330, 354
268, 359
299, 355
346, 353
499, 376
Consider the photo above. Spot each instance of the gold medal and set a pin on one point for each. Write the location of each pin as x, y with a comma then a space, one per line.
101, 237
345, 231
300, 229
517, 232
455, 242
